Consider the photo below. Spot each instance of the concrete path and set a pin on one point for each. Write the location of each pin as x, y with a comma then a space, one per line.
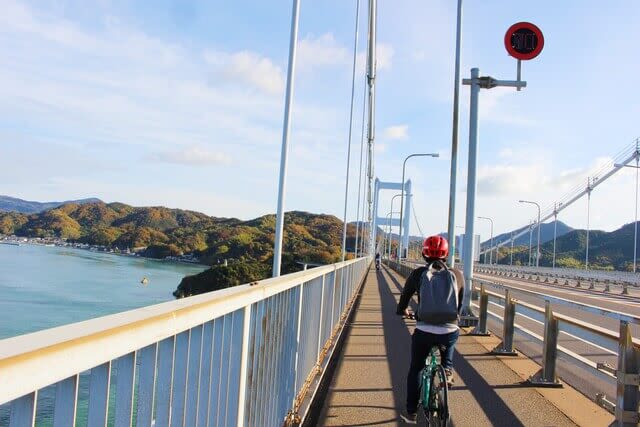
368, 386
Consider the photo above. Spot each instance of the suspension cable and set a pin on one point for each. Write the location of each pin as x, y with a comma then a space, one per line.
353, 91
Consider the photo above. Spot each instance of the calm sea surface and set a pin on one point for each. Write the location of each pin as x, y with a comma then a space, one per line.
42, 287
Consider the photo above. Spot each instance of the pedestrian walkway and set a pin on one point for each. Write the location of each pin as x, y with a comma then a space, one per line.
368, 385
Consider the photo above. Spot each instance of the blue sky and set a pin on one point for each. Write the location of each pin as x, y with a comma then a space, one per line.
180, 103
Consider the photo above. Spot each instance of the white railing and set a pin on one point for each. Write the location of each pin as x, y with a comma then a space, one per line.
240, 356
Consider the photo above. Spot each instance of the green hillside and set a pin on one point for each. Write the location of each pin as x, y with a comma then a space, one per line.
158, 232
608, 251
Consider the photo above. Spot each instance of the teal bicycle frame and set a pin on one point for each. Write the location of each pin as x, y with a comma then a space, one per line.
428, 397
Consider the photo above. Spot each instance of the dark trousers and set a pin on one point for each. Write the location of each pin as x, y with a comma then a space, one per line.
421, 343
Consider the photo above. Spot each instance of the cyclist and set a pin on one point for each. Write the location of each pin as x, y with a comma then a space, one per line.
430, 333
377, 260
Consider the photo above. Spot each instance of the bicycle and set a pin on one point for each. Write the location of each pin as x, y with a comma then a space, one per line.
434, 389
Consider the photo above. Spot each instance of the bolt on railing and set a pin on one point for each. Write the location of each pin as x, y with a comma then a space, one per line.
481, 329
505, 348
628, 398
547, 377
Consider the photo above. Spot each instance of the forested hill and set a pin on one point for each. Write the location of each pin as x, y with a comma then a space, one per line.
13, 204
158, 232
607, 250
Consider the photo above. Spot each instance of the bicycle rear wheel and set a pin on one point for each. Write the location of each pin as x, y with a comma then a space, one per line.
438, 414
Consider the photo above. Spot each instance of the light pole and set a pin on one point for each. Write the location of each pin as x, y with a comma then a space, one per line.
392, 199
530, 234
389, 239
635, 224
586, 255
476, 82
538, 249
511, 253
286, 130
404, 164
455, 247
555, 233
490, 242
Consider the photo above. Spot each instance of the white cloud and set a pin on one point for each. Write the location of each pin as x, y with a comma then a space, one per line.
321, 51
503, 180
192, 156
396, 132
384, 57
498, 105
248, 68
112, 89
506, 153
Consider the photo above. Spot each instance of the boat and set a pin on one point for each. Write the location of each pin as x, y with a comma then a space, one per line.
144, 281
10, 243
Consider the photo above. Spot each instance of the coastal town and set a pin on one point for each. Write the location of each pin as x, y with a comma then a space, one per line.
54, 241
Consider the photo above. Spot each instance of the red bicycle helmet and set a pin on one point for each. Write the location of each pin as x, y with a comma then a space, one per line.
435, 247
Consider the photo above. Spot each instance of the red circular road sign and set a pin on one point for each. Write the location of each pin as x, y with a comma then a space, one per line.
524, 41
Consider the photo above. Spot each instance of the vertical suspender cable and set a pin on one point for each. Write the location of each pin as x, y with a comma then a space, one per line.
364, 207
286, 130
371, 77
364, 109
353, 91
451, 229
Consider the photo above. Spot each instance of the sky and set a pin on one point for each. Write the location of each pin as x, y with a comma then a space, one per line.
180, 103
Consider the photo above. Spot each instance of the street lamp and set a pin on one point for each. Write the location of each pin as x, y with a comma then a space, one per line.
538, 250
404, 164
392, 199
389, 240
511, 252
491, 241
635, 226
455, 244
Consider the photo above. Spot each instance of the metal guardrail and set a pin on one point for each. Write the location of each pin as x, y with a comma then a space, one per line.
627, 374
622, 278
246, 355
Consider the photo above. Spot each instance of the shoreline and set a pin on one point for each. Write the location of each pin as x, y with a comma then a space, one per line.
20, 241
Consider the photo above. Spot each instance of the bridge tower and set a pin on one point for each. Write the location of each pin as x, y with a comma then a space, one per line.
395, 222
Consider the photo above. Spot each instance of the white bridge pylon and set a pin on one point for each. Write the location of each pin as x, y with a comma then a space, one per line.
394, 222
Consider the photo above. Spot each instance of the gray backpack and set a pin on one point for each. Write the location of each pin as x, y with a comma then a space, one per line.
438, 296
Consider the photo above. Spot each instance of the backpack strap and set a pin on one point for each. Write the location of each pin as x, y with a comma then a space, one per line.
442, 264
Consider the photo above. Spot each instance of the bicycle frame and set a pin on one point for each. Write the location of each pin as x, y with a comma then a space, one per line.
431, 363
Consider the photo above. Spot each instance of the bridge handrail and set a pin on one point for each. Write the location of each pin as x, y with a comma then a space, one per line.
33, 361
627, 373
621, 276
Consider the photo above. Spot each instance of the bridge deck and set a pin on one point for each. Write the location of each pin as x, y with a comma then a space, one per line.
368, 385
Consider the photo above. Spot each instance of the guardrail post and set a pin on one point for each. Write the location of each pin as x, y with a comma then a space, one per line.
481, 328
505, 348
546, 377
627, 396
607, 286
625, 289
